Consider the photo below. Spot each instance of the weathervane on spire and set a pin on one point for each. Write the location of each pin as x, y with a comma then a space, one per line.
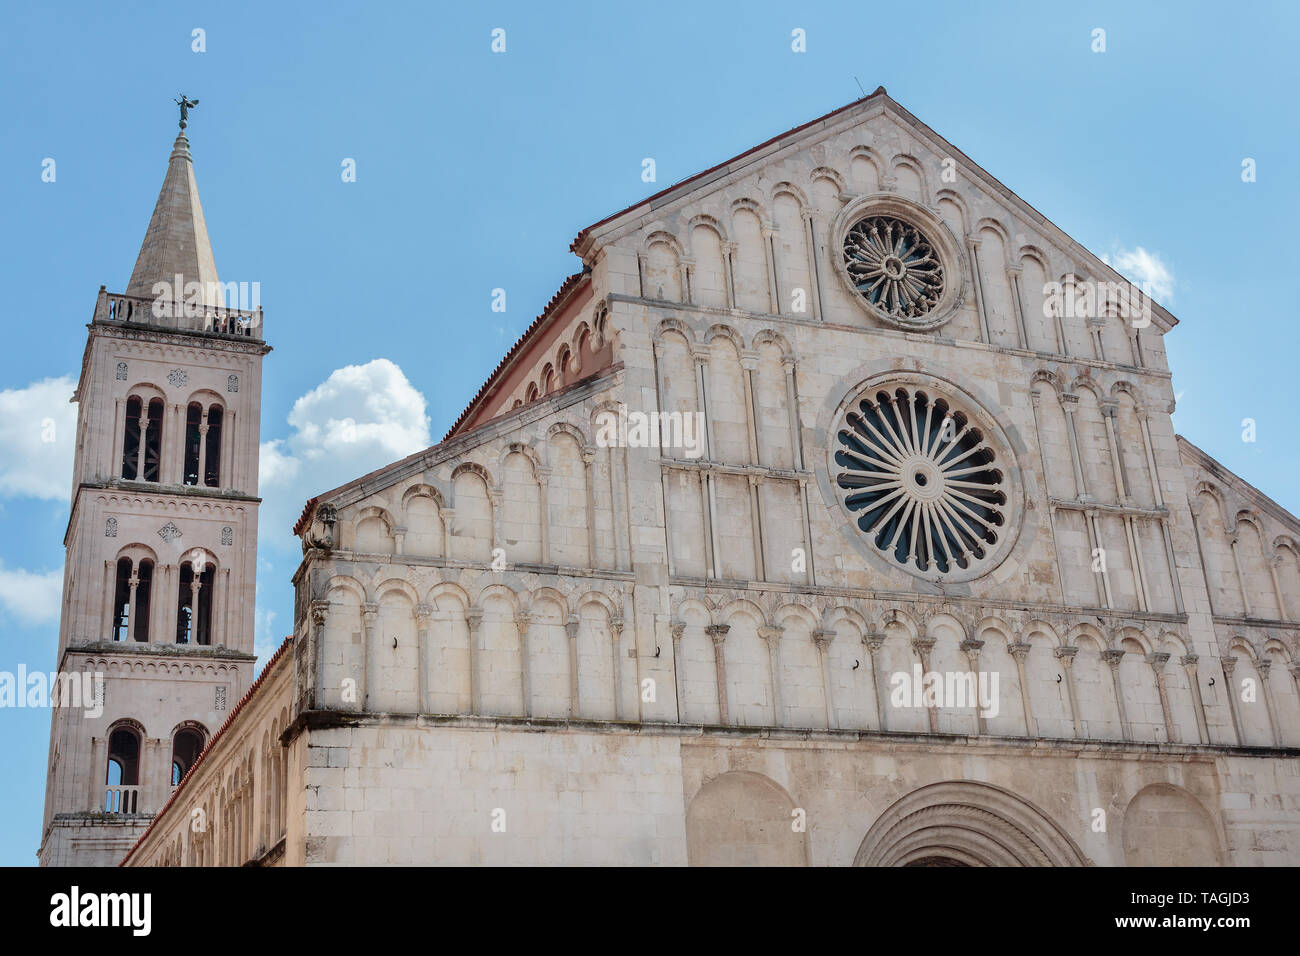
185, 103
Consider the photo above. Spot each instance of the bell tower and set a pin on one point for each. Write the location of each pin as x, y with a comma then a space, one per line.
156, 630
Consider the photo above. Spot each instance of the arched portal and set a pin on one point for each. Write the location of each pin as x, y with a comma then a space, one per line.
962, 823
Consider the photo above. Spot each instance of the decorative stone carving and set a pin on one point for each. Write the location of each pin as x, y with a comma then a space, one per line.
321, 532
894, 266
227, 536
169, 532
110, 528
178, 377
219, 697
232, 383
121, 371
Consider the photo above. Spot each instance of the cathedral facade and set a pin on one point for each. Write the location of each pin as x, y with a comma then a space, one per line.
831, 514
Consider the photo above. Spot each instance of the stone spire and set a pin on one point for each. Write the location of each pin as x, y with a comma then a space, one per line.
177, 240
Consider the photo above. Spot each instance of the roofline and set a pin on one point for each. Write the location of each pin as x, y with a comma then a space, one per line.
651, 200
581, 243
212, 742
569, 288
1250, 491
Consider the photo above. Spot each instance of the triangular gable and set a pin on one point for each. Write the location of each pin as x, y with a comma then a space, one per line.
643, 212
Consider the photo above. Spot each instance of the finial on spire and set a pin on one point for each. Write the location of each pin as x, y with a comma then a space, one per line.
185, 104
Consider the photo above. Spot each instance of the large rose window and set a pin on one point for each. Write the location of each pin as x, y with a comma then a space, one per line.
921, 480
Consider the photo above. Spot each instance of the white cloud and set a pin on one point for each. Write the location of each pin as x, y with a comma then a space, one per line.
32, 597
38, 435
1147, 270
360, 418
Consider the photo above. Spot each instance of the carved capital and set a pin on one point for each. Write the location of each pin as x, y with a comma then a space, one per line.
823, 636
1112, 656
523, 619
474, 617
1158, 661
1189, 661
423, 614
874, 642
717, 632
771, 634
1262, 667
571, 628
1018, 650
319, 610
616, 625
1066, 655
677, 627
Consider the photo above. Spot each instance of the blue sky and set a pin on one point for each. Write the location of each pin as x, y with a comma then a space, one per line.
475, 170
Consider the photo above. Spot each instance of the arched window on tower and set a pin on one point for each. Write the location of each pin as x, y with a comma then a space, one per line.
122, 777
203, 445
131, 439
194, 603
131, 599
193, 423
212, 464
187, 744
142, 439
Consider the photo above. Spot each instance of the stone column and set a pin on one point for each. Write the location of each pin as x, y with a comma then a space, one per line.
423, 616
399, 540
1091, 519
688, 279
677, 627
773, 295
131, 610
523, 623
1282, 611
814, 273
972, 250
571, 631
1069, 405
1229, 664
616, 645
1018, 650
1262, 667
1109, 410
718, 634
316, 648
369, 620
544, 519
1013, 274
1241, 578
972, 648
822, 638
1189, 665
1066, 656
203, 450
792, 405
757, 535
1113, 656
1035, 399
748, 365
923, 646
473, 620
772, 636
874, 643
1158, 662
728, 259
1135, 555
587, 459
